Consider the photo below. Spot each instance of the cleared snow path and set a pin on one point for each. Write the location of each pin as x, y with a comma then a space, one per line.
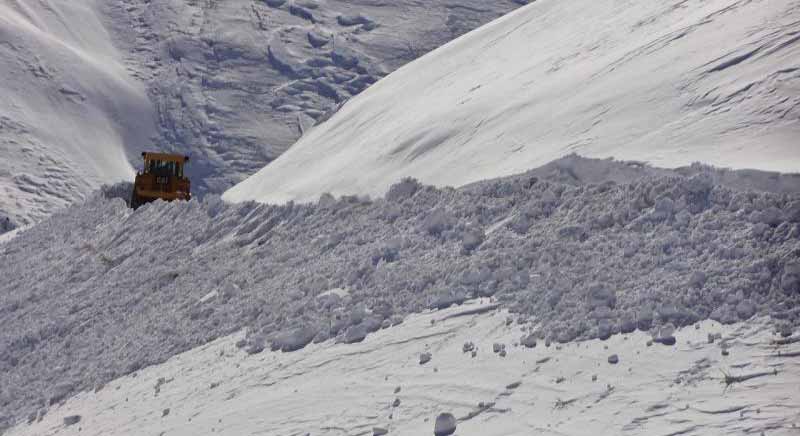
338, 389
668, 82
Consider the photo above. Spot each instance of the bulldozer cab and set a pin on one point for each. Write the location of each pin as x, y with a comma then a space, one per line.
162, 177
164, 168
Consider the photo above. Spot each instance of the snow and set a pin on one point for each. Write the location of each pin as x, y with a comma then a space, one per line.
234, 83
669, 83
328, 388
87, 85
70, 116
98, 291
580, 297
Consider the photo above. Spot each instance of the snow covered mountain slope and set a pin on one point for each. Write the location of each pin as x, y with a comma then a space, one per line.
236, 82
88, 85
667, 82
68, 109
358, 389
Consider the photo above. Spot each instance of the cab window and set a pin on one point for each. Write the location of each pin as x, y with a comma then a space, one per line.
162, 168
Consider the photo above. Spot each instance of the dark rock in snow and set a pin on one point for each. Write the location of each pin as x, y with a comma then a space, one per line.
666, 340
379, 431
529, 341
613, 359
424, 358
665, 335
445, 425
72, 420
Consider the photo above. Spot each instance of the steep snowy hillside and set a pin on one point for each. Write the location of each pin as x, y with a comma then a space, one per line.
668, 82
236, 82
99, 291
68, 109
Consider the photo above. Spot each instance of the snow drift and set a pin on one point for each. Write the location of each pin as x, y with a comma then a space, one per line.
98, 291
70, 116
665, 82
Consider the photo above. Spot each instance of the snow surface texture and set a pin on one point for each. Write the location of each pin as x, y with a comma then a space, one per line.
68, 111
330, 389
667, 82
236, 82
86, 86
98, 290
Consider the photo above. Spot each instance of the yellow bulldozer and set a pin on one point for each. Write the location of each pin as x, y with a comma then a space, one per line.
162, 177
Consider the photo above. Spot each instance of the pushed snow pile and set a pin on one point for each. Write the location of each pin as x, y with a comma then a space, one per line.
98, 290
667, 82
68, 112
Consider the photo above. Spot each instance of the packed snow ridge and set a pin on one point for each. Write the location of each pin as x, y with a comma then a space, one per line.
668, 82
98, 290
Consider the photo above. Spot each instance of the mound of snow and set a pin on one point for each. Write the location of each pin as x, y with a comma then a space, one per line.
668, 82
99, 290
70, 116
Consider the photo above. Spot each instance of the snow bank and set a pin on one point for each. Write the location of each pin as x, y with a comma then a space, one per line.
668, 82
70, 116
98, 290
